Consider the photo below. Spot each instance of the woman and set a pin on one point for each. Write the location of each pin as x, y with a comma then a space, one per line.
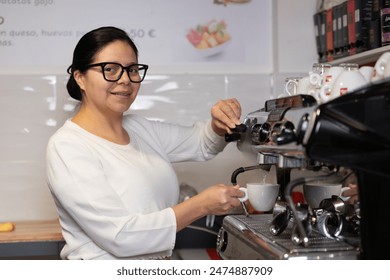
110, 173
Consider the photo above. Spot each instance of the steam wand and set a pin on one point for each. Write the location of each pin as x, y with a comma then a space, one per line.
234, 180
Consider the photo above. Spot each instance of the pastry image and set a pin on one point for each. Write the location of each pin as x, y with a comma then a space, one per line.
212, 35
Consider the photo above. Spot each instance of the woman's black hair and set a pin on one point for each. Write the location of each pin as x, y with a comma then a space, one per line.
86, 49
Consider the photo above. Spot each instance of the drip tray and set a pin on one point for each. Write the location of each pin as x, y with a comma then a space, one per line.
245, 238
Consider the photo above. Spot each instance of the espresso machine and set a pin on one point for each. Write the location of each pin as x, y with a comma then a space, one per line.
351, 131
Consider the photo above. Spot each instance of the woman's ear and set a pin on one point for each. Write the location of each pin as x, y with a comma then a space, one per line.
78, 77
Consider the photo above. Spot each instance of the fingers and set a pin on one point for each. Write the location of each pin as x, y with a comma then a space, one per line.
233, 110
237, 192
232, 195
226, 115
221, 199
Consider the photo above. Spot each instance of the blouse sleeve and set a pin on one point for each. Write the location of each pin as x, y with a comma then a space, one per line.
184, 143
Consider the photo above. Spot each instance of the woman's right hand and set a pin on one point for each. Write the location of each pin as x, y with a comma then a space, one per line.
220, 199
215, 200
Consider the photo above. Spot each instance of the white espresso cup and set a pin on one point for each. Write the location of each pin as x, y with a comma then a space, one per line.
349, 80
317, 73
290, 85
315, 79
304, 85
314, 193
367, 72
262, 196
380, 66
386, 73
327, 82
331, 75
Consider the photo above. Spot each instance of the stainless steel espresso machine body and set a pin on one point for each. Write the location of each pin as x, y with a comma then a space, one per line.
352, 131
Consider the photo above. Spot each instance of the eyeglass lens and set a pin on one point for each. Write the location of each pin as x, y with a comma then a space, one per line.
113, 72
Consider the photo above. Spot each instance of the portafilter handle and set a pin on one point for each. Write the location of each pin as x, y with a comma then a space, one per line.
236, 135
303, 238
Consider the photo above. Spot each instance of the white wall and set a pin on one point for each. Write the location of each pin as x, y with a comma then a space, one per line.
33, 106
294, 40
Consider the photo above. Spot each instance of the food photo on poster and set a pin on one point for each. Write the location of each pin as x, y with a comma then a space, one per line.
210, 38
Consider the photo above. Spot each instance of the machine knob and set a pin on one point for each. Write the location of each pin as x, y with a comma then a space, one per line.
286, 134
222, 240
260, 133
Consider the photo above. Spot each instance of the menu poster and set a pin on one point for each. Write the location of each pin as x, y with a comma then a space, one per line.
40, 35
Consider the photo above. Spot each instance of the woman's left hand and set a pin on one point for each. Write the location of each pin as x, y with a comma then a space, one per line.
225, 116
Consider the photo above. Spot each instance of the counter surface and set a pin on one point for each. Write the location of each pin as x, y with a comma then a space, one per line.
32, 240
28, 231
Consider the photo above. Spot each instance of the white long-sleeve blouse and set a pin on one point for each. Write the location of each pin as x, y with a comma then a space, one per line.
114, 201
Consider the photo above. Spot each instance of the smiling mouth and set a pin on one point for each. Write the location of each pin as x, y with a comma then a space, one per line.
120, 93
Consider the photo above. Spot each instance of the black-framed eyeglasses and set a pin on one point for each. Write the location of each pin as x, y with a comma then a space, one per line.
113, 71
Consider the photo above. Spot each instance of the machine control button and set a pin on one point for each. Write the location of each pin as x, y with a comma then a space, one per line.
222, 240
